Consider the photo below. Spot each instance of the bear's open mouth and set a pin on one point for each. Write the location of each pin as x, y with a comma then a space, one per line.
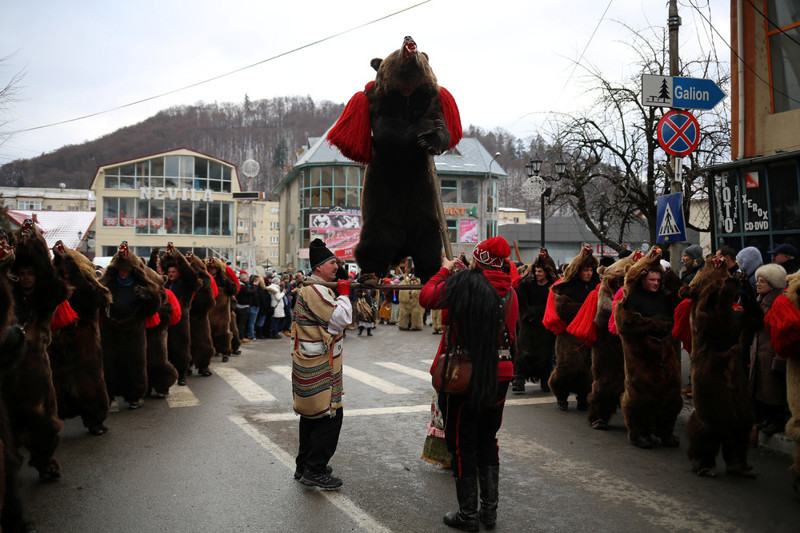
59, 248
6, 251
409, 48
28, 227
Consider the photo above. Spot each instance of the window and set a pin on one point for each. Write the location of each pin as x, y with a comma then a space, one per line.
274, 240
491, 192
274, 225
449, 191
784, 54
274, 210
29, 204
452, 230
469, 191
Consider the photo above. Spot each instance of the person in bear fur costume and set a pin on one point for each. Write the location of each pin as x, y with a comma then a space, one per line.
723, 415
793, 375
535, 343
608, 373
396, 126
410, 317
644, 319
28, 391
199, 325
124, 340
76, 358
573, 371
182, 280
12, 350
161, 374
220, 315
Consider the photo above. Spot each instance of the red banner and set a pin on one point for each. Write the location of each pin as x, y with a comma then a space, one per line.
110, 221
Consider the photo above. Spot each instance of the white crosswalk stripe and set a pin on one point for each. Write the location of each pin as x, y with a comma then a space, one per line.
406, 370
372, 381
181, 397
283, 370
245, 386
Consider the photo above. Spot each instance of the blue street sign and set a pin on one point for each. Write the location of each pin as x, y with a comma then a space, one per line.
684, 93
670, 226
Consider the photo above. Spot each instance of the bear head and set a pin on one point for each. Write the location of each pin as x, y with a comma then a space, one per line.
613, 276
405, 71
635, 272
713, 275
585, 258
71, 264
793, 288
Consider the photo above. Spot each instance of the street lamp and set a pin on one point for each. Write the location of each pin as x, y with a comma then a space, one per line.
536, 185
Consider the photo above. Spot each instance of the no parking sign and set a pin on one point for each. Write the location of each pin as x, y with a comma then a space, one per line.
678, 133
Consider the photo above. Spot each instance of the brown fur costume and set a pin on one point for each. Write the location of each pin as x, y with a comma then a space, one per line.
161, 374
28, 391
535, 343
410, 315
573, 371
723, 415
436, 321
122, 333
199, 325
75, 354
608, 363
12, 350
652, 398
178, 336
220, 315
793, 386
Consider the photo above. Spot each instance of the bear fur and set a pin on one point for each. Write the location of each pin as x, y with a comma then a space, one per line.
723, 415
75, 354
220, 315
178, 335
608, 363
535, 343
411, 120
411, 313
652, 398
573, 370
122, 332
161, 374
28, 391
12, 350
199, 325
793, 386
436, 321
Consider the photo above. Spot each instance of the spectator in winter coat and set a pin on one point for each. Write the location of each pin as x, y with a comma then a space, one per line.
692, 260
786, 256
749, 260
276, 293
244, 301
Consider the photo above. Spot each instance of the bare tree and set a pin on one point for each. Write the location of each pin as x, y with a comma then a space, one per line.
8, 95
616, 168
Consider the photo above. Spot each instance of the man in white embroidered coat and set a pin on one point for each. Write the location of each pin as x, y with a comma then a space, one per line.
320, 319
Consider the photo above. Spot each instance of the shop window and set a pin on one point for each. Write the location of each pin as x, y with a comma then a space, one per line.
469, 191
185, 220
353, 198
353, 176
755, 209
784, 54
201, 168
215, 219
452, 230
449, 191
200, 218
29, 204
127, 182
142, 216
157, 217
157, 167
171, 216
326, 178
783, 194
339, 197
111, 182
227, 218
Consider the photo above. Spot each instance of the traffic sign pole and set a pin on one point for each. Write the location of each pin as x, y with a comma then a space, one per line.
674, 23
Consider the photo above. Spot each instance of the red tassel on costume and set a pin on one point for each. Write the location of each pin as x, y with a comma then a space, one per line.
214, 288
551, 319
152, 321
682, 328
231, 274
176, 308
64, 316
451, 116
352, 133
582, 326
612, 324
783, 323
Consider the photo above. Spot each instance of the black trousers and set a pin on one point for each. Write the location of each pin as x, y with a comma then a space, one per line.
471, 434
318, 440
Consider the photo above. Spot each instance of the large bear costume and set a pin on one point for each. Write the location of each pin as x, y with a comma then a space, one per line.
12, 349
573, 370
75, 354
182, 280
220, 315
396, 126
199, 325
161, 374
793, 382
652, 398
134, 299
411, 313
28, 391
723, 415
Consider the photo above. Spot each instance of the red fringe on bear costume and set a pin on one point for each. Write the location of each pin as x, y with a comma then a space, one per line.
681, 327
582, 326
783, 323
176, 307
551, 319
352, 133
612, 324
64, 316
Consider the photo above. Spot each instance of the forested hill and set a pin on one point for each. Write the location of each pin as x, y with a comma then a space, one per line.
269, 131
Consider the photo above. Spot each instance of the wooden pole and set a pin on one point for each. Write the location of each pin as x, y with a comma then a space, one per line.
433, 180
516, 249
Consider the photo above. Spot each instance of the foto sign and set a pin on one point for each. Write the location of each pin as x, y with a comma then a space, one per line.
683, 93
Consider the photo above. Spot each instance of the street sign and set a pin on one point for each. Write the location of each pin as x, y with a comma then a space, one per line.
670, 226
683, 93
678, 133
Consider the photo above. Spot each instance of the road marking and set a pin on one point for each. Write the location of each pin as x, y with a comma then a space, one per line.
662, 511
181, 397
363, 520
283, 370
372, 381
245, 386
406, 370
394, 410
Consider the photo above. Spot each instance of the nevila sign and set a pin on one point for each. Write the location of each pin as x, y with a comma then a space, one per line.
171, 193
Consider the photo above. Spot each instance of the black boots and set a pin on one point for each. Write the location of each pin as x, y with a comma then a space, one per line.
361, 330
369, 332
488, 477
466, 518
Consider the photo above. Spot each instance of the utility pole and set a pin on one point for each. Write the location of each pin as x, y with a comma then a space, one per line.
674, 23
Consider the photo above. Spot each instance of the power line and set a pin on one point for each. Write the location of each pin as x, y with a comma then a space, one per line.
282, 54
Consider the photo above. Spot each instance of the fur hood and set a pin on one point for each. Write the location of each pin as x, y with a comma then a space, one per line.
651, 261
125, 258
585, 258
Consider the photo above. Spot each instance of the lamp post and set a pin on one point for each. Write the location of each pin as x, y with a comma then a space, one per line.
537, 185
485, 189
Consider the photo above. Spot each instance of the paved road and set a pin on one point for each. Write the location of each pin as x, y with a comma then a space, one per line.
218, 456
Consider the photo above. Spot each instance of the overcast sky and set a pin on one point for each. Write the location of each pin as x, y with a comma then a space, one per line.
508, 63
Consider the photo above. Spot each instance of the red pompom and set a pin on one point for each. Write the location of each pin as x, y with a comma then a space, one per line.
231, 274
783, 323
682, 328
214, 288
551, 319
176, 307
152, 321
612, 324
352, 132
582, 326
64, 316
451, 116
